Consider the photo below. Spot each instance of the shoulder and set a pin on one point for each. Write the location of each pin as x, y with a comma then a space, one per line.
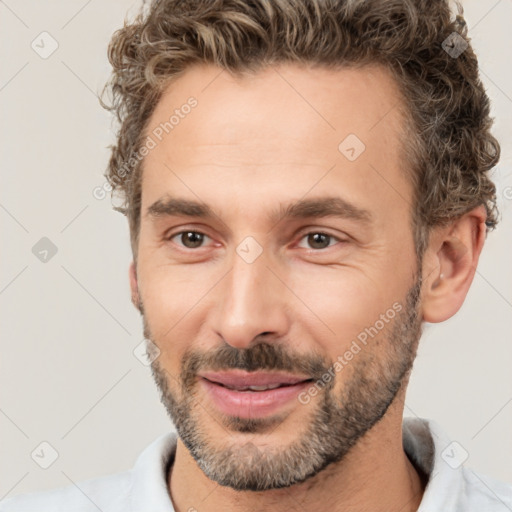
485, 493
452, 486
145, 485
108, 493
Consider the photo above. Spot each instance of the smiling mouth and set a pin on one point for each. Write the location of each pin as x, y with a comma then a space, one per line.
259, 394
255, 388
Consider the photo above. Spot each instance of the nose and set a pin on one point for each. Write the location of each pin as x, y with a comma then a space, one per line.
251, 303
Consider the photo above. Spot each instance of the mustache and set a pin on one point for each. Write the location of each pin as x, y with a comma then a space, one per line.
262, 356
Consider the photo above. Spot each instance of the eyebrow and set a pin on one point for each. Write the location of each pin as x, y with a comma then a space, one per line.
301, 209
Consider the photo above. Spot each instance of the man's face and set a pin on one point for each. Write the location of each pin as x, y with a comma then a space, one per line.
261, 294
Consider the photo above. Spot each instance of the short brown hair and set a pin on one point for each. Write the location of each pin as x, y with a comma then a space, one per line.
450, 150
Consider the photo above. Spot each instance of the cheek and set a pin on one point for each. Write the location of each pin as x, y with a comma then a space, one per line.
344, 301
168, 291
178, 300
168, 300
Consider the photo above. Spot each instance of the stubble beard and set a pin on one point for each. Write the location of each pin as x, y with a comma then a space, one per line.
336, 423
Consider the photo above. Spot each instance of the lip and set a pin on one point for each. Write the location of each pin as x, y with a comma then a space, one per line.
251, 404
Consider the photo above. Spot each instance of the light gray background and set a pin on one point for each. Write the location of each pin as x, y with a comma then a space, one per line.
68, 373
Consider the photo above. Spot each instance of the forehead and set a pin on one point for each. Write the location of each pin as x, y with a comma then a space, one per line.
287, 100
285, 126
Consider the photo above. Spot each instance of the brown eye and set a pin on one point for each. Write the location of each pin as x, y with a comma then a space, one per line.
319, 240
190, 239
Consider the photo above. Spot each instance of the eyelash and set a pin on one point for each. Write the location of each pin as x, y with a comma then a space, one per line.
304, 235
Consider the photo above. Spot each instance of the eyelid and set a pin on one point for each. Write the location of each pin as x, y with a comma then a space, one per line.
183, 228
310, 229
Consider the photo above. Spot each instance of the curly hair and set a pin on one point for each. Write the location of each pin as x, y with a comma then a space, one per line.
449, 150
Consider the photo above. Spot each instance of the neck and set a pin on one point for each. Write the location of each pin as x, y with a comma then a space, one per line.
375, 475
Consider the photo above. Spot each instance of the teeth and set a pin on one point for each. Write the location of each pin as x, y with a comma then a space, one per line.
256, 388
263, 388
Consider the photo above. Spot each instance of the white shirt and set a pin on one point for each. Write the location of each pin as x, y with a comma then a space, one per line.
451, 487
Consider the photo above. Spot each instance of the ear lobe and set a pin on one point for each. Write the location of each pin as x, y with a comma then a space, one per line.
452, 258
134, 286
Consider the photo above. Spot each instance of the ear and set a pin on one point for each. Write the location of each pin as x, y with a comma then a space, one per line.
449, 264
134, 286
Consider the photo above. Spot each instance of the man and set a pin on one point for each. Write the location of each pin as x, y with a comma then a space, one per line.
306, 183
